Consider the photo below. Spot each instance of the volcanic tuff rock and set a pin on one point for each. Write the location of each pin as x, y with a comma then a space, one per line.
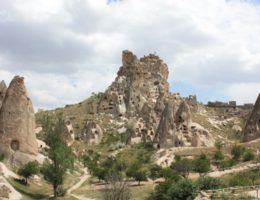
140, 92
92, 133
17, 124
3, 89
252, 128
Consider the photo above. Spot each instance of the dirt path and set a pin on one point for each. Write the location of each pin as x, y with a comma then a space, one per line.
77, 185
234, 170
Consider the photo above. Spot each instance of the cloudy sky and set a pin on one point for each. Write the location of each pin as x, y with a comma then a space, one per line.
67, 49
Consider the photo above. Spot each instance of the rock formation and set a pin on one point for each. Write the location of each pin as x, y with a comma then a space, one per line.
140, 92
3, 89
68, 135
139, 82
17, 124
92, 133
252, 128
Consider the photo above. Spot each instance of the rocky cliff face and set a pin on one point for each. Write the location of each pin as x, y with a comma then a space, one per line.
140, 92
139, 82
3, 89
252, 128
92, 133
17, 124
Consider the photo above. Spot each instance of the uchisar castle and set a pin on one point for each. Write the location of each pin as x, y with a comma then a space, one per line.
137, 108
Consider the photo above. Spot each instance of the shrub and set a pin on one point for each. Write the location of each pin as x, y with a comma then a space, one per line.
227, 164
201, 164
239, 180
237, 151
182, 190
248, 155
208, 183
170, 174
182, 166
28, 170
155, 172
2, 157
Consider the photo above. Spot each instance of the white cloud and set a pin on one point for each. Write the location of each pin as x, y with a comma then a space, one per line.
70, 48
244, 92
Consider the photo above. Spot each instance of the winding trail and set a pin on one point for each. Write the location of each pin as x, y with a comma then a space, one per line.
235, 169
77, 185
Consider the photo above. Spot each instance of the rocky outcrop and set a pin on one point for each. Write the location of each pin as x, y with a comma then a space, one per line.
139, 82
68, 135
140, 92
92, 133
17, 124
252, 128
166, 132
3, 89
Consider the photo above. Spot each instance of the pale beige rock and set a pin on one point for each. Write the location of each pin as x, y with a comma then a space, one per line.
17, 124
3, 89
92, 133
252, 128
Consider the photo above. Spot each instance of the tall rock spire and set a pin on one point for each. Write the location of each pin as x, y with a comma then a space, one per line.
252, 128
17, 124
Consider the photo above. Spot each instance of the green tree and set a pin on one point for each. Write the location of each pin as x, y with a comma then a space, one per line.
182, 166
237, 151
182, 190
136, 172
201, 164
61, 157
29, 169
155, 171
169, 174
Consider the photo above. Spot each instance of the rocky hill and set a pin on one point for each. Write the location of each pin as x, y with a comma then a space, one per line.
140, 104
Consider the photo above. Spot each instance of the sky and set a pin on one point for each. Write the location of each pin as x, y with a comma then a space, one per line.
67, 49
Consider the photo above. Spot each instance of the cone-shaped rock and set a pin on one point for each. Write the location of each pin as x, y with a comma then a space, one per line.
165, 134
17, 124
3, 89
252, 128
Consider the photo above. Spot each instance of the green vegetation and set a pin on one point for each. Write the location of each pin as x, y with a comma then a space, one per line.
28, 170
136, 172
182, 166
2, 157
60, 155
237, 151
248, 155
201, 164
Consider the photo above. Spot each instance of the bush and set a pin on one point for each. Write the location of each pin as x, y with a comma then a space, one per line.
182, 166
227, 164
208, 183
201, 164
136, 172
248, 155
28, 170
237, 151
169, 190
182, 190
170, 174
239, 180
155, 172
2, 157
